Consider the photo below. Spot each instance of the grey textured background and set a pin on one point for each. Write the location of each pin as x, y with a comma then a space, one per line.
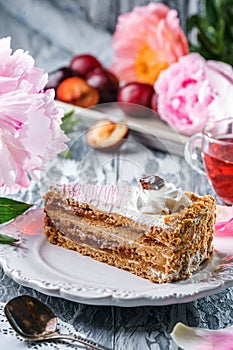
54, 30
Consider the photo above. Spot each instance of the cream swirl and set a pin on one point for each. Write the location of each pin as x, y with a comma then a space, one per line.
165, 200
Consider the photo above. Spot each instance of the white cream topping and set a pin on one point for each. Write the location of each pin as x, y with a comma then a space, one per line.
164, 200
143, 206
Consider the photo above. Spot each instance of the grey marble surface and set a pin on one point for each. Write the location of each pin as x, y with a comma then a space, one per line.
138, 328
53, 31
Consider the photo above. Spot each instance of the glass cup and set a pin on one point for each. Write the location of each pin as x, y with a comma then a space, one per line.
211, 153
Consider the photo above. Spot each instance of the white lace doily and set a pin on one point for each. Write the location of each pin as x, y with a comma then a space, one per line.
10, 340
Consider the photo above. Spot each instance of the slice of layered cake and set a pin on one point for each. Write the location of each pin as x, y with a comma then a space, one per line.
153, 230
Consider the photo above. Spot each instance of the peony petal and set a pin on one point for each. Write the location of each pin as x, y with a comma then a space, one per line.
191, 338
224, 221
14, 104
224, 213
224, 228
13, 156
220, 75
30, 132
148, 31
192, 91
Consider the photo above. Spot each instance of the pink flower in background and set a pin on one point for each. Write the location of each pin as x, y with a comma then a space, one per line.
30, 132
224, 221
146, 41
193, 91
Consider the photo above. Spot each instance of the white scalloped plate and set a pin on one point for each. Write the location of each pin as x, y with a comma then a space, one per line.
36, 263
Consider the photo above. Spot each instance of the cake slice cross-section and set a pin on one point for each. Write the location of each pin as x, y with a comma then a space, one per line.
153, 230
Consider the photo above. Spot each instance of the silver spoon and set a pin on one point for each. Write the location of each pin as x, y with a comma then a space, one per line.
35, 321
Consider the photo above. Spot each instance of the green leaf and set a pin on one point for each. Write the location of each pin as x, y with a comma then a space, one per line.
67, 115
10, 209
211, 12
7, 239
192, 22
69, 121
205, 40
213, 31
66, 154
227, 15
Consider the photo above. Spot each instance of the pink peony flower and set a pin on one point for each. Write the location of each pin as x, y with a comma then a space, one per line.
193, 91
224, 221
30, 132
146, 41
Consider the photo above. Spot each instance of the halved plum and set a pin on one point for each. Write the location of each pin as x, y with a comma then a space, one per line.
106, 134
76, 91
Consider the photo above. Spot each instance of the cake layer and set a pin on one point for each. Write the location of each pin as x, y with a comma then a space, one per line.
162, 265
164, 248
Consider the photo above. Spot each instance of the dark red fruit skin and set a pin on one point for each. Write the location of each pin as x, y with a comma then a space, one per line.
57, 76
83, 64
154, 102
134, 97
106, 82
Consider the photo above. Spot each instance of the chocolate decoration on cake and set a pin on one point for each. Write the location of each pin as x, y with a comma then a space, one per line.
152, 182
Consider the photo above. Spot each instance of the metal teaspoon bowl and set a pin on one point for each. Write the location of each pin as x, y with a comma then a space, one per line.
35, 321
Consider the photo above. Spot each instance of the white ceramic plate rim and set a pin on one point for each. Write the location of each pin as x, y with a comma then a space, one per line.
36, 263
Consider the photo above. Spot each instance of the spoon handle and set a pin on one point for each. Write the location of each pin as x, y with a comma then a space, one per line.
78, 338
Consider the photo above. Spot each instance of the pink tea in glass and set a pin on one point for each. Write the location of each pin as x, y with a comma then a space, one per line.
218, 160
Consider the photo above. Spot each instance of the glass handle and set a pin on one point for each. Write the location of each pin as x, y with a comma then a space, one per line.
193, 153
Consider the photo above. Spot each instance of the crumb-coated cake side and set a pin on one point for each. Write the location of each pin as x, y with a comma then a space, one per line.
155, 231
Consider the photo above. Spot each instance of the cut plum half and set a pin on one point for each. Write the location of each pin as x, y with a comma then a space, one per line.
106, 134
76, 91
